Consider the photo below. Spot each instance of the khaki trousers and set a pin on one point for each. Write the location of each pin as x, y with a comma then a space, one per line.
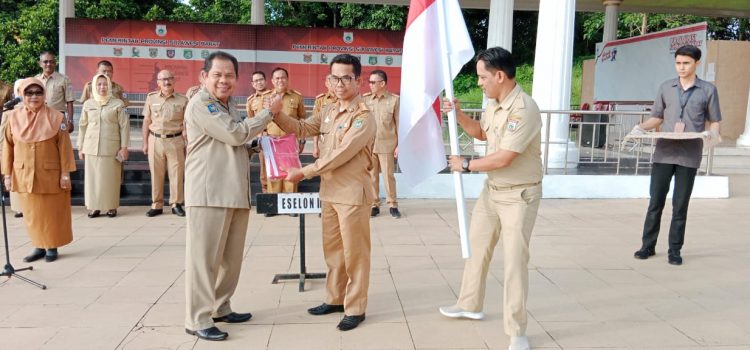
214, 248
262, 175
346, 248
507, 214
385, 163
281, 186
166, 155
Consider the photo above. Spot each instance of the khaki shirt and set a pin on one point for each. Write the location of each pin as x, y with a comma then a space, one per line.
514, 124
6, 93
36, 167
323, 100
103, 130
117, 91
192, 91
346, 139
385, 110
167, 113
292, 106
58, 89
254, 103
217, 166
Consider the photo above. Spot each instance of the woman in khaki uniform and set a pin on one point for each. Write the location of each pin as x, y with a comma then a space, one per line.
104, 135
36, 163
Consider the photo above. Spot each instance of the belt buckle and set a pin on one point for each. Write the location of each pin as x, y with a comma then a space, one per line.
164, 136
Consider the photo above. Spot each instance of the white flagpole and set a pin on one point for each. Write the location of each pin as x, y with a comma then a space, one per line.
458, 185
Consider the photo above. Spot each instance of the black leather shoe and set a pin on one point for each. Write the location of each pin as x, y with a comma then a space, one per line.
18, 215
212, 333
395, 213
269, 215
234, 317
35, 255
94, 214
644, 253
112, 213
350, 322
177, 210
325, 309
51, 255
674, 257
154, 212
375, 211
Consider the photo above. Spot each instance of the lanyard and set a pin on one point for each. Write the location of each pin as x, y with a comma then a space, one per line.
687, 95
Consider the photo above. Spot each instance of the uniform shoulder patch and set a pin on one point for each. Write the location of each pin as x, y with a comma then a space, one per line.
363, 107
358, 122
212, 108
513, 122
320, 95
153, 93
295, 92
367, 94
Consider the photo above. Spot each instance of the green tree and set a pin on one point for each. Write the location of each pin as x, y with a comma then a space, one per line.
27, 30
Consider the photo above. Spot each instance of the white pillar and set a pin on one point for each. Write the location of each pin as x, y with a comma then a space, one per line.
553, 69
66, 10
744, 139
258, 12
611, 12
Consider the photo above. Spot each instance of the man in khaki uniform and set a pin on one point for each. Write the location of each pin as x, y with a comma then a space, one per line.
253, 105
507, 206
217, 197
164, 141
105, 67
59, 88
321, 101
384, 106
347, 132
292, 106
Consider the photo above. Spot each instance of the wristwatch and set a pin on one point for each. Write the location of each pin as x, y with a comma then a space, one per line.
465, 165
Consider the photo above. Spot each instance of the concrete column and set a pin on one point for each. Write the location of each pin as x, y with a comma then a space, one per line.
553, 70
611, 12
744, 139
66, 10
258, 12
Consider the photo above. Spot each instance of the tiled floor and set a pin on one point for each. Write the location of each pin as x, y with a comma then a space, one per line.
120, 284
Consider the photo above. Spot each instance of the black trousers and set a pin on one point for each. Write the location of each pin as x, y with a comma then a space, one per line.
661, 176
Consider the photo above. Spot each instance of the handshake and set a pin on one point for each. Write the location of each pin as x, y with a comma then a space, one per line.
272, 102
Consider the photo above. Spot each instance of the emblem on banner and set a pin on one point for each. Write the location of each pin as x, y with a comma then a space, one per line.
373, 60
153, 52
135, 52
348, 37
307, 57
323, 58
161, 29
187, 53
117, 51
170, 53
389, 60
204, 54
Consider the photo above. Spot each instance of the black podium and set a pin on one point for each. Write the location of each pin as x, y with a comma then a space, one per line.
292, 203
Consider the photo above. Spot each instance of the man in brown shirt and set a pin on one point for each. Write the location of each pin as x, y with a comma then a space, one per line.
105, 67
164, 141
384, 107
59, 88
347, 132
254, 105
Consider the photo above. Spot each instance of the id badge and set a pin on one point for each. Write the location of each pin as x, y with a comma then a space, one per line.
679, 127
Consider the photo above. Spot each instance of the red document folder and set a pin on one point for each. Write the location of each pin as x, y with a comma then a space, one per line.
280, 153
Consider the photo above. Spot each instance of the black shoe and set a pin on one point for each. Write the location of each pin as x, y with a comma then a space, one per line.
674, 257
234, 317
154, 212
18, 215
293, 215
350, 322
94, 214
644, 253
51, 255
177, 210
112, 213
268, 215
325, 309
212, 333
375, 211
395, 213
35, 255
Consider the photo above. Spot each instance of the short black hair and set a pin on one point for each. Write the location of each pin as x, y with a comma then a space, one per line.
690, 51
349, 60
46, 52
258, 72
104, 63
381, 74
279, 69
209, 61
498, 59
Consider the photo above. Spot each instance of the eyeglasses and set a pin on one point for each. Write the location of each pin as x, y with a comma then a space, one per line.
166, 79
334, 80
48, 61
373, 82
33, 93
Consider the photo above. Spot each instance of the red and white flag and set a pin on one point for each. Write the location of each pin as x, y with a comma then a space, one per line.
421, 151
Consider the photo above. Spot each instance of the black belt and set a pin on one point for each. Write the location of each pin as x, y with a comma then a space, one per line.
165, 136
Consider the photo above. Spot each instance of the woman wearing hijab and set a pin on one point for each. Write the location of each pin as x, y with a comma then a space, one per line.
36, 163
103, 139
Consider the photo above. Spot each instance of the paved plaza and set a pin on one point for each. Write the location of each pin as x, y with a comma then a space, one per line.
120, 284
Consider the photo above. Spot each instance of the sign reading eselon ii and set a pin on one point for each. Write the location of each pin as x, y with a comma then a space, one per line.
139, 50
631, 70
